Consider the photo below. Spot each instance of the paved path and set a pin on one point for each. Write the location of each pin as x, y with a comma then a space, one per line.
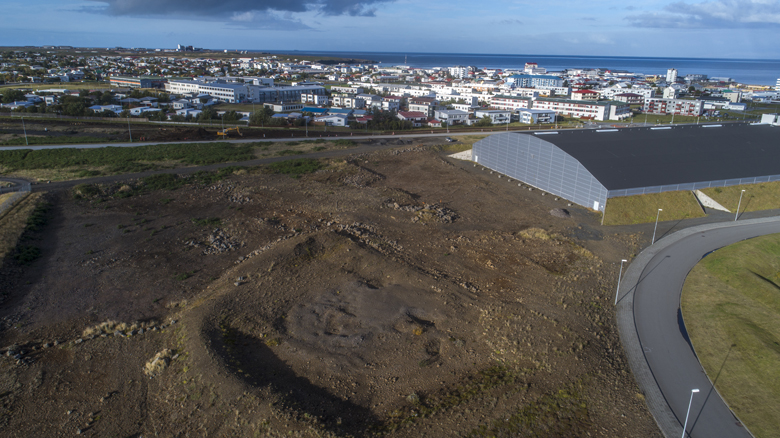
653, 333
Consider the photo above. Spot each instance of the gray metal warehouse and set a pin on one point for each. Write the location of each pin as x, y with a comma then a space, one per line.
589, 166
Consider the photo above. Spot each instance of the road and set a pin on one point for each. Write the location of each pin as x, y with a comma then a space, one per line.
653, 332
250, 140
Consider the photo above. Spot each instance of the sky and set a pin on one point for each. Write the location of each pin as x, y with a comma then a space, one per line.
730, 29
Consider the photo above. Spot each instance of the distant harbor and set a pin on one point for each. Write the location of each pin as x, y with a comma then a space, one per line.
746, 71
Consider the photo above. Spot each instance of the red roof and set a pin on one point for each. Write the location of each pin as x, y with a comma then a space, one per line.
585, 92
412, 114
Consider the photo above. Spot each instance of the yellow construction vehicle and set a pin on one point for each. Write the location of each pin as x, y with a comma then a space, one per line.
225, 132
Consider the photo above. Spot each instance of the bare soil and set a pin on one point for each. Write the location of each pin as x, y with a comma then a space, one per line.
398, 293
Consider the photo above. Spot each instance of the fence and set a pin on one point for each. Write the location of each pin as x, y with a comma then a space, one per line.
19, 191
692, 186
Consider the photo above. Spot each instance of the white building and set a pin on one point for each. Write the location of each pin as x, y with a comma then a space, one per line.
333, 120
497, 117
452, 117
314, 99
671, 75
673, 106
533, 116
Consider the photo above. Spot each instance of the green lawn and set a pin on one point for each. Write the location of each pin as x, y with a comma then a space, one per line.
731, 306
762, 196
640, 209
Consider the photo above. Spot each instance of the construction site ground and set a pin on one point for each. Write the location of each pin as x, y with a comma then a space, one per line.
396, 293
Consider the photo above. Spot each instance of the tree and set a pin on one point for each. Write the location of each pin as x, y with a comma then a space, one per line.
261, 117
484, 121
13, 96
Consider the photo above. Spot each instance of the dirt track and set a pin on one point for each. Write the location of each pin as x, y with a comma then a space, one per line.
395, 293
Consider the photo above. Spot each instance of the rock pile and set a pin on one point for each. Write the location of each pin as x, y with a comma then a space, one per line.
217, 242
560, 212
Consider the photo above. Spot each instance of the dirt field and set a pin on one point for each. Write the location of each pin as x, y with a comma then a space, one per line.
399, 294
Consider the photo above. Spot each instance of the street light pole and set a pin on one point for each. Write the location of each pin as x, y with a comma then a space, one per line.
620, 275
693, 391
25, 133
739, 205
656, 224
128, 129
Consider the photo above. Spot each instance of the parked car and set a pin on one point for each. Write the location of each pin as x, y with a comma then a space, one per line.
449, 139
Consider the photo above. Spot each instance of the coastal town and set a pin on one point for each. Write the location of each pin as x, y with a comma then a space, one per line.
191, 85
229, 243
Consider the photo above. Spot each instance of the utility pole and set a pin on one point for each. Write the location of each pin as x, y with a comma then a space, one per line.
25, 133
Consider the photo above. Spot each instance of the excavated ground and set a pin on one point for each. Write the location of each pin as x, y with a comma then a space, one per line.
399, 293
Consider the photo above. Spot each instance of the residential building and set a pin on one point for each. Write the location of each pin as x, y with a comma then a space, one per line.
497, 117
284, 107
348, 101
533, 116
314, 99
137, 82
526, 81
416, 117
425, 105
733, 96
598, 110
584, 95
452, 117
671, 75
332, 120
511, 103
629, 98
671, 93
391, 103
673, 106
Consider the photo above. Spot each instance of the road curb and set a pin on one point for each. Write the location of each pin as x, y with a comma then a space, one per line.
669, 424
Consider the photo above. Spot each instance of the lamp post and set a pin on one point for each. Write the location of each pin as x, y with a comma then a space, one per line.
693, 391
656, 224
739, 205
128, 128
25, 132
620, 275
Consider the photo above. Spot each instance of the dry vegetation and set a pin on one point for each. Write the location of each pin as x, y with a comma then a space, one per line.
396, 293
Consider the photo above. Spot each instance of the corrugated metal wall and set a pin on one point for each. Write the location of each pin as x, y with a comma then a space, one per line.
539, 163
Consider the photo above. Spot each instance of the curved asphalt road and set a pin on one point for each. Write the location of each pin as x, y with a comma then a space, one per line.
653, 334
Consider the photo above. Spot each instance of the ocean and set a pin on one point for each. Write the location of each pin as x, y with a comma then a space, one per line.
748, 71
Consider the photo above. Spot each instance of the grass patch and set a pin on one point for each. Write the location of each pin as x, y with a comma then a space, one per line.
642, 209
50, 139
295, 168
26, 254
421, 406
288, 152
344, 143
121, 160
563, 413
13, 223
207, 222
318, 148
183, 276
761, 196
38, 217
731, 306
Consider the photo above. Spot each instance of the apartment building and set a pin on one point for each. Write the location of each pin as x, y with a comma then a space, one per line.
512, 103
673, 106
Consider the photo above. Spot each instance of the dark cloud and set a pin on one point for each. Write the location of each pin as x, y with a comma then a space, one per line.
716, 14
210, 9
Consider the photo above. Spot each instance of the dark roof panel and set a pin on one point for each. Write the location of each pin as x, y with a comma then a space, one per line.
646, 157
